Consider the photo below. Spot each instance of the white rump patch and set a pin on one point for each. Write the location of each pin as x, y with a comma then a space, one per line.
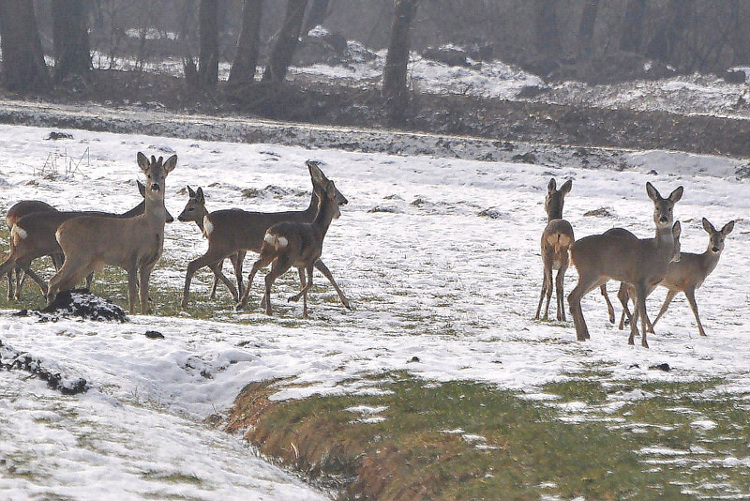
208, 227
269, 239
282, 242
278, 242
22, 234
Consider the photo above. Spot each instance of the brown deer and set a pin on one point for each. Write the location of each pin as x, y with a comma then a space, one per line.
556, 241
195, 211
233, 230
14, 214
686, 275
297, 244
641, 263
33, 236
133, 243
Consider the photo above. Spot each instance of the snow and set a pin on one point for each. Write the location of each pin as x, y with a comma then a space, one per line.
432, 280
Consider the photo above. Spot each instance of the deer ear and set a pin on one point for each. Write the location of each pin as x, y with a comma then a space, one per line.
552, 185
652, 192
170, 164
199, 195
727, 229
567, 186
708, 226
676, 230
191, 193
676, 195
141, 188
143, 162
315, 172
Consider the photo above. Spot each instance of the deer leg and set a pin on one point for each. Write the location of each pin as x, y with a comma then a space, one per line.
584, 286
132, 287
327, 273
690, 295
278, 268
219, 275
10, 285
207, 259
302, 283
145, 275
307, 287
66, 278
560, 290
237, 260
610, 309
624, 296
667, 300
216, 268
260, 263
640, 312
546, 290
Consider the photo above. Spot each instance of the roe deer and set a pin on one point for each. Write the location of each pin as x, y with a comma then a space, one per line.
297, 244
641, 263
133, 243
687, 274
195, 210
232, 230
14, 214
33, 236
556, 241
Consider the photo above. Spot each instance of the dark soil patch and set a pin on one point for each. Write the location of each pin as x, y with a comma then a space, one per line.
318, 103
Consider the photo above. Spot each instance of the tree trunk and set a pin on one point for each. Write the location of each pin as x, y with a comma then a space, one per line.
632, 28
586, 27
71, 39
669, 44
547, 34
208, 57
397, 60
286, 43
248, 45
23, 59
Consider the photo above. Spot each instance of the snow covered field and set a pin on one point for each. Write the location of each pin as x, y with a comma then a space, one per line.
427, 274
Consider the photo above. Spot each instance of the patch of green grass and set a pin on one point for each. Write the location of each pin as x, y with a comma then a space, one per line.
463, 440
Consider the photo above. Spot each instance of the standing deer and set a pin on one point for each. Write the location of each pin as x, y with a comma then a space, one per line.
133, 243
297, 244
556, 241
687, 274
641, 263
33, 236
14, 214
232, 230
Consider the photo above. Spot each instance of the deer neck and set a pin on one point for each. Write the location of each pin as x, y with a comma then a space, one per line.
555, 214
710, 259
201, 216
155, 213
325, 215
664, 242
312, 209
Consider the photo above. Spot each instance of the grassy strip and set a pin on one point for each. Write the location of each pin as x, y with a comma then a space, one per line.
462, 440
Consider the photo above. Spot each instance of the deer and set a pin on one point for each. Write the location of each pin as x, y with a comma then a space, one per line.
297, 244
641, 263
33, 236
14, 214
233, 230
686, 275
195, 211
557, 238
134, 243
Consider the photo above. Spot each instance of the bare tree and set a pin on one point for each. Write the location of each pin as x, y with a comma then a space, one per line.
248, 44
669, 42
23, 59
586, 26
632, 29
286, 42
208, 58
71, 39
397, 60
547, 38
317, 13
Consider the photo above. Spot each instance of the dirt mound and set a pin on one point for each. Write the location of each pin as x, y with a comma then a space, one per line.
81, 303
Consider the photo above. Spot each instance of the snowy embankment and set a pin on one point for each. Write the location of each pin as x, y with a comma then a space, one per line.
428, 276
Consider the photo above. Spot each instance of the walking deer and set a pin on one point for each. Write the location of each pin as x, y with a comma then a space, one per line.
641, 263
14, 214
557, 238
297, 244
686, 275
230, 231
195, 211
33, 236
133, 243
